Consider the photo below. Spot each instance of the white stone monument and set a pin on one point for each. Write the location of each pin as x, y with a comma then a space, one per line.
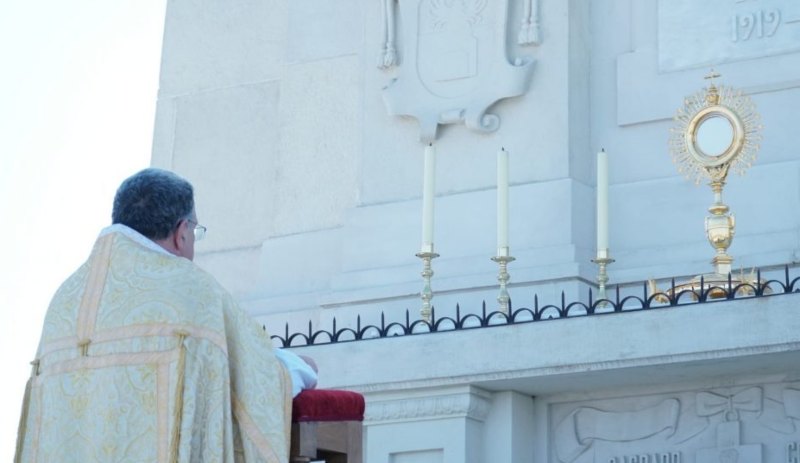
307, 158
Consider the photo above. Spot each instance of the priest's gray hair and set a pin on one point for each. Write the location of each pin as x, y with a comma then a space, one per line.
153, 202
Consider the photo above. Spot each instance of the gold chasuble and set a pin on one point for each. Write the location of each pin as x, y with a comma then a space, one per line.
144, 357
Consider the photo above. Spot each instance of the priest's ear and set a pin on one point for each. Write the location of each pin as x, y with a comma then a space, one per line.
183, 239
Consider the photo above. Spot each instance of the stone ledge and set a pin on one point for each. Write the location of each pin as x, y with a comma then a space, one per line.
582, 353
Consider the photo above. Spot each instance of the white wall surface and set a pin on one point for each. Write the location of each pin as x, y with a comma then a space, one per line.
281, 124
312, 194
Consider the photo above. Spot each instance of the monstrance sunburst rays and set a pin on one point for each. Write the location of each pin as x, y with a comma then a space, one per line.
727, 98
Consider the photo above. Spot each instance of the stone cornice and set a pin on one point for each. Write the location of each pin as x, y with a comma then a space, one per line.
468, 402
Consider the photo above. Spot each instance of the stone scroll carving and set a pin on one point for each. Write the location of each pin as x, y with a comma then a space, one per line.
454, 63
742, 424
581, 428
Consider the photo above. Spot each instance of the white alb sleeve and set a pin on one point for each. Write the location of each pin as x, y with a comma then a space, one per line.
303, 376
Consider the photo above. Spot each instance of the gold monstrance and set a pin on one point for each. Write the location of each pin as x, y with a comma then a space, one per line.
716, 131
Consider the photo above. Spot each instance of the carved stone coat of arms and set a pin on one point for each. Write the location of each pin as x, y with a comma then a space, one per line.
454, 63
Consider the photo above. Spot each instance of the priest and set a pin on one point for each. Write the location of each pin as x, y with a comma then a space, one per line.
145, 357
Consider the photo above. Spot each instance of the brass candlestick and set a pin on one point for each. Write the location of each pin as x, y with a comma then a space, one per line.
503, 298
427, 293
602, 260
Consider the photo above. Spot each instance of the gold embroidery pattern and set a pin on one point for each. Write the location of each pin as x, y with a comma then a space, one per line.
128, 389
99, 263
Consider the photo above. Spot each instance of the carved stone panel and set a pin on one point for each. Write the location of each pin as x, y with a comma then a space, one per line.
470, 403
754, 43
452, 63
693, 33
744, 424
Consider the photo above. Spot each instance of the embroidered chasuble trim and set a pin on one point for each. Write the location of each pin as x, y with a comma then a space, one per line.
138, 331
23, 421
93, 356
106, 361
177, 412
248, 427
287, 386
162, 360
99, 263
162, 399
37, 424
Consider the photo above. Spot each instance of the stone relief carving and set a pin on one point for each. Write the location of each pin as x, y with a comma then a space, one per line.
739, 423
578, 431
470, 405
711, 403
455, 63
755, 24
695, 34
791, 403
730, 407
529, 31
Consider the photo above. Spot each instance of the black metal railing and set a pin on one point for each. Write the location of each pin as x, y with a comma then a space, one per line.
701, 293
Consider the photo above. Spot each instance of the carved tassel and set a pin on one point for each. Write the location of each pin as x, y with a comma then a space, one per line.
388, 55
529, 33
23, 419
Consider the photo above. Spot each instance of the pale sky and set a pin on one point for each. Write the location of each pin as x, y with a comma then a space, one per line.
78, 91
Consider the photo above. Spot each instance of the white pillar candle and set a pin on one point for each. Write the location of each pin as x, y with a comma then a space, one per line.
502, 202
428, 193
602, 204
